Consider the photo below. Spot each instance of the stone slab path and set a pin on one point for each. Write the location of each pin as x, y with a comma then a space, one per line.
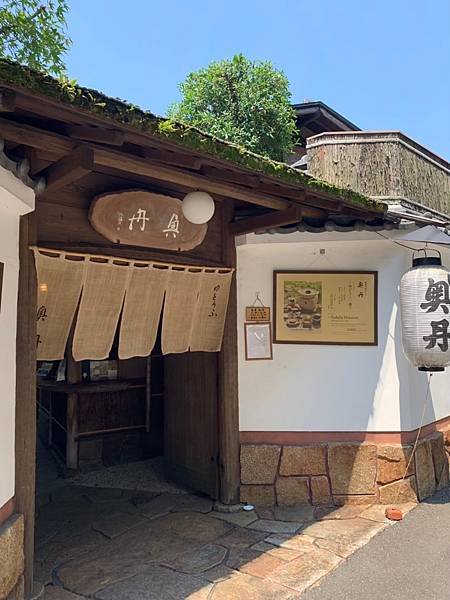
117, 544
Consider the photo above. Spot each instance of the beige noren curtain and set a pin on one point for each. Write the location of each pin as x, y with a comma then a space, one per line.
59, 287
99, 311
179, 308
210, 312
141, 310
195, 305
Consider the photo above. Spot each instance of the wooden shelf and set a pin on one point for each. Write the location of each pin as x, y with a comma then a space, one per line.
91, 387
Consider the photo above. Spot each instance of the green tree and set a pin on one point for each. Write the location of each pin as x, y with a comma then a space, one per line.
33, 32
242, 101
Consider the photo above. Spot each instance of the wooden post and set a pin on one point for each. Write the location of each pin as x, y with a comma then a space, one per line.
72, 433
74, 375
26, 392
228, 413
148, 391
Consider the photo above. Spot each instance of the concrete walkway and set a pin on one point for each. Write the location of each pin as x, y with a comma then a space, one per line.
410, 561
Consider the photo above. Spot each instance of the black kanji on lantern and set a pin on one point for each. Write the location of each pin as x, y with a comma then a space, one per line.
439, 332
437, 295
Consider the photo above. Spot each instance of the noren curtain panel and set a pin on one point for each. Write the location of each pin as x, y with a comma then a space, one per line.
103, 294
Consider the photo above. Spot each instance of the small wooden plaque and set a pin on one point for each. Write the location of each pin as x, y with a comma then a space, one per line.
257, 313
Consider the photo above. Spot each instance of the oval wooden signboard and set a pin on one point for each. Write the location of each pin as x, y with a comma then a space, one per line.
141, 218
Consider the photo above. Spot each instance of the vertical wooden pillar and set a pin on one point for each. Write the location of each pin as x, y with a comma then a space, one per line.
72, 433
74, 375
148, 391
26, 392
228, 413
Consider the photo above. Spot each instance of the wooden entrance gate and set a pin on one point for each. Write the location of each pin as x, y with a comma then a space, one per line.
191, 429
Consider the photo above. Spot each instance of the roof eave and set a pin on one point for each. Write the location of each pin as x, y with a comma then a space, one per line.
93, 104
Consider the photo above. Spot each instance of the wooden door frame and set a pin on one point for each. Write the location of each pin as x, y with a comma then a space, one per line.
25, 425
228, 396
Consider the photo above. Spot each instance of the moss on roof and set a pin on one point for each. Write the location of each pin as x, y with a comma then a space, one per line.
129, 114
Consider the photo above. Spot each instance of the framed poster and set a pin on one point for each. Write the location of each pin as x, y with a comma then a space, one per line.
258, 341
326, 307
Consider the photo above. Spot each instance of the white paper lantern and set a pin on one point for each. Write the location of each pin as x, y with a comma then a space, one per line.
198, 207
425, 314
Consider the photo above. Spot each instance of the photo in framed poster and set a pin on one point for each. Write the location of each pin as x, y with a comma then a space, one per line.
326, 307
258, 341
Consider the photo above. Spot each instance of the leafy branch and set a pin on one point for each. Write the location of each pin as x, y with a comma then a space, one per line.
34, 33
10, 28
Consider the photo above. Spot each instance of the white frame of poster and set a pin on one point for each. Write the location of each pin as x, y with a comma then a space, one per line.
247, 328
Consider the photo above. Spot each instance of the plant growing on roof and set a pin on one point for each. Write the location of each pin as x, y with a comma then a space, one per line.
241, 101
33, 32
66, 91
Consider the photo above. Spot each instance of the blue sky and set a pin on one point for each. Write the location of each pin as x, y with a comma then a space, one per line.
382, 64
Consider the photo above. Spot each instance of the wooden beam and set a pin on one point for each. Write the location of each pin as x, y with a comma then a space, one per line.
36, 161
267, 194
228, 413
125, 163
7, 100
177, 159
54, 110
100, 135
35, 138
311, 198
68, 169
248, 179
25, 434
269, 220
74, 376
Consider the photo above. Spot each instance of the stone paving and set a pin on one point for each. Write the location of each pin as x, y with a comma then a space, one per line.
147, 475
122, 544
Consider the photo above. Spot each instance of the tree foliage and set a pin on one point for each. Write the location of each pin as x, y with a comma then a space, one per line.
33, 32
242, 101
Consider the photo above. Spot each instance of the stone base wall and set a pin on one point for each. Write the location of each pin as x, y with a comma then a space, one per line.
11, 558
342, 473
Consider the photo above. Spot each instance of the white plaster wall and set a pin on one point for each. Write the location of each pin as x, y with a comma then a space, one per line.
11, 206
332, 388
9, 230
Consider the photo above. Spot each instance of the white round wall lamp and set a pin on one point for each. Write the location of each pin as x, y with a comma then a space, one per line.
198, 207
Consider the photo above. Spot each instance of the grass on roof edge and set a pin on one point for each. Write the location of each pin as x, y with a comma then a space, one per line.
129, 114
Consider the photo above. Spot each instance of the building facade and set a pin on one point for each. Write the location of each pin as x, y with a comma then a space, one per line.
319, 424
337, 424
81, 146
